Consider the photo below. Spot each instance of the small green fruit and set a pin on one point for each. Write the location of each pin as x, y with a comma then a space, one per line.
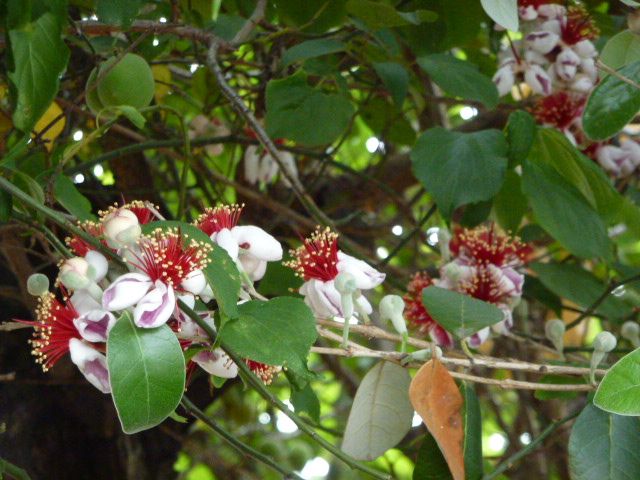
91, 93
129, 82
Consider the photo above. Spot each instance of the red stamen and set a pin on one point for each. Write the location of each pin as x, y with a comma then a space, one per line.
559, 109
415, 312
578, 26
483, 246
138, 207
215, 219
317, 258
264, 372
79, 246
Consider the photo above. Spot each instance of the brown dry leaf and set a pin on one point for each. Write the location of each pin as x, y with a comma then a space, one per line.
435, 396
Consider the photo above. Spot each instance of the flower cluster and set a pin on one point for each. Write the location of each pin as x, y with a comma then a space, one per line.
158, 269
201, 126
556, 59
318, 261
485, 265
261, 167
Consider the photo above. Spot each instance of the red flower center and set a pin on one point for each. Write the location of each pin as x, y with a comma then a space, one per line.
215, 219
79, 246
52, 330
163, 256
483, 246
264, 372
317, 258
578, 26
559, 110
414, 308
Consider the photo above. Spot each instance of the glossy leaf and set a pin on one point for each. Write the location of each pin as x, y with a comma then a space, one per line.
503, 12
381, 413
576, 225
395, 78
311, 49
460, 168
221, 273
39, 56
621, 49
435, 396
278, 332
459, 314
146, 371
602, 446
459, 78
71, 199
619, 390
612, 104
579, 286
303, 114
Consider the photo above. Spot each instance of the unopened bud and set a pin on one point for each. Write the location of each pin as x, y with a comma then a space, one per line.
554, 331
604, 342
631, 331
121, 227
391, 308
423, 355
74, 273
37, 284
345, 284
195, 282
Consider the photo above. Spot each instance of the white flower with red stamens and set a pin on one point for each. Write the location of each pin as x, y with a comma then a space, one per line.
216, 362
260, 166
55, 335
78, 245
164, 260
619, 161
249, 245
319, 261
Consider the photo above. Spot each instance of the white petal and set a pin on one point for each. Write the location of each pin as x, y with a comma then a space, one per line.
225, 239
194, 283
99, 264
251, 164
542, 41
363, 305
322, 298
91, 363
125, 291
538, 80
257, 243
253, 266
83, 302
216, 363
585, 48
504, 79
95, 325
156, 307
479, 338
365, 275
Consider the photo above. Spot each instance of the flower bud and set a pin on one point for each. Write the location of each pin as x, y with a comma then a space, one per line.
604, 342
423, 355
194, 283
121, 227
74, 273
554, 331
631, 331
391, 308
37, 284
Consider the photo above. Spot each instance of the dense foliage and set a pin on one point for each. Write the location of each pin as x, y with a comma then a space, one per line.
320, 239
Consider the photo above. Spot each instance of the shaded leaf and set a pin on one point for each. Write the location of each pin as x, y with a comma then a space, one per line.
621, 49
460, 168
435, 396
503, 12
119, 12
459, 314
305, 400
619, 390
71, 199
459, 78
521, 132
381, 413
510, 204
395, 77
146, 371
430, 464
602, 446
612, 104
377, 15
472, 433
311, 49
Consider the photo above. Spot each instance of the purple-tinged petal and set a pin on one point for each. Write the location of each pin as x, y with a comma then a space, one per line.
365, 275
83, 302
125, 291
95, 325
216, 363
91, 363
156, 307
542, 41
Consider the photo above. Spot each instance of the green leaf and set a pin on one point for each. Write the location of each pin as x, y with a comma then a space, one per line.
6, 206
221, 273
612, 104
40, 56
305, 400
311, 49
510, 204
278, 332
581, 287
459, 78
378, 15
119, 12
558, 380
460, 168
521, 132
619, 390
381, 413
460, 315
430, 464
146, 371
303, 114
602, 446
621, 49
71, 199
575, 225
472, 433
396, 78
503, 12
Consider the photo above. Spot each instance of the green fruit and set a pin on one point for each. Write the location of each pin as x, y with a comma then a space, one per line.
91, 96
129, 82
